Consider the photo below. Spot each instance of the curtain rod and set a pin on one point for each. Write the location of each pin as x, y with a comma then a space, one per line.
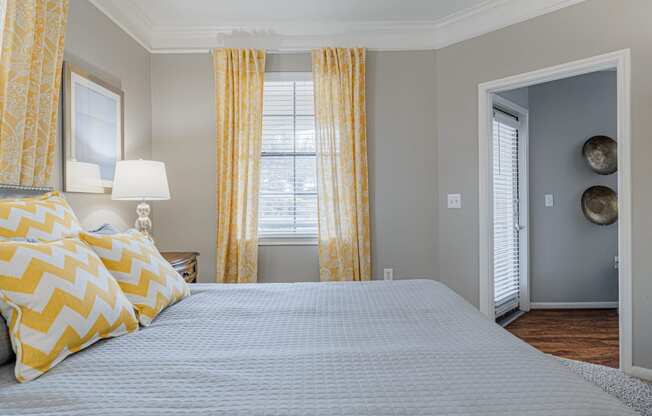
275, 51
201, 51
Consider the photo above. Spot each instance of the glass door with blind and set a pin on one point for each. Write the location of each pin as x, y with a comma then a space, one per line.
509, 218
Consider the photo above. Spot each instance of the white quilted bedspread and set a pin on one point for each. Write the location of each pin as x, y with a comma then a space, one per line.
378, 348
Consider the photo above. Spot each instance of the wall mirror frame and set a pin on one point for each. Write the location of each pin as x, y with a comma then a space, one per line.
93, 131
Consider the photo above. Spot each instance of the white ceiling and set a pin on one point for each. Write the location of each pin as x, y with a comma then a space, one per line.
211, 12
198, 25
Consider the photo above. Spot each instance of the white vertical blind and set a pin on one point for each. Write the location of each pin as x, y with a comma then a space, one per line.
506, 212
288, 182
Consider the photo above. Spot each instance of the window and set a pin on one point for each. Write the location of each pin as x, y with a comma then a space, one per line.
3, 9
288, 178
507, 227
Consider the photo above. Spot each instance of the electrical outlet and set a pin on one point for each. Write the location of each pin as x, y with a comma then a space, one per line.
454, 201
388, 274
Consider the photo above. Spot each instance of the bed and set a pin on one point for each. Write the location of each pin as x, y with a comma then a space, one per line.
376, 348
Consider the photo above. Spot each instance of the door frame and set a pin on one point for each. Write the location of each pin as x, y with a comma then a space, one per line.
620, 61
524, 195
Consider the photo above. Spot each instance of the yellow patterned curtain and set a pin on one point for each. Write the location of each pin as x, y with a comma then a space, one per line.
30, 79
239, 81
344, 237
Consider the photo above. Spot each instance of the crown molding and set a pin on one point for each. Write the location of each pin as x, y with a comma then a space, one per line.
491, 16
486, 17
133, 22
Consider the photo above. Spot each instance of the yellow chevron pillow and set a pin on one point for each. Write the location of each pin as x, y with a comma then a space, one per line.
58, 298
147, 279
47, 217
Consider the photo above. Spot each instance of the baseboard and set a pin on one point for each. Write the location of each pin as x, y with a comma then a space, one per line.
574, 305
640, 372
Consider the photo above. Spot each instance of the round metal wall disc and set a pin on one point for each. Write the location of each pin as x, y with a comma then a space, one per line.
600, 205
601, 153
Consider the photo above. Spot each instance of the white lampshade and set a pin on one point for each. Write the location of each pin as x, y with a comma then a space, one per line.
83, 177
141, 180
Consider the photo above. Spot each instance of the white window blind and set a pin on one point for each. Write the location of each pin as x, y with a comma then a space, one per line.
506, 212
288, 180
3, 9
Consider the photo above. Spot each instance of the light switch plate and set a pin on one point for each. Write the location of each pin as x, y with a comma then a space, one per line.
454, 201
549, 200
388, 274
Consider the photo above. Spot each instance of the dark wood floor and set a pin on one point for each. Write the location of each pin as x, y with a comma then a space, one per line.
589, 335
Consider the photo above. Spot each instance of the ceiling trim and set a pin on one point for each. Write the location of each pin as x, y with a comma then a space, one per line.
491, 16
486, 17
134, 23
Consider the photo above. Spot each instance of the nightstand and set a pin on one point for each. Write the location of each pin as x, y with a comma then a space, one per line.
184, 262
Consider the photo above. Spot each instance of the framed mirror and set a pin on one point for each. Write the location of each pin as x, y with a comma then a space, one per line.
93, 131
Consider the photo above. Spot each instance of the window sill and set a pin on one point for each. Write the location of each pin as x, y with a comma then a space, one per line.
288, 240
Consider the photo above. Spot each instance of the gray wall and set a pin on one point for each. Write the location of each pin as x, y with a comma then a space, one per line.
401, 131
95, 43
571, 259
580, 31
402, 165
520, 96
183, 120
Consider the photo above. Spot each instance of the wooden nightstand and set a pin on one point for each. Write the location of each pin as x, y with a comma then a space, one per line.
184, 262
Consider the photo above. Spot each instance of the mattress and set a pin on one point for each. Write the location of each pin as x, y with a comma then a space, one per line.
375, 348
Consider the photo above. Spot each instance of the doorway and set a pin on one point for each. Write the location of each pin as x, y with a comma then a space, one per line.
511, 234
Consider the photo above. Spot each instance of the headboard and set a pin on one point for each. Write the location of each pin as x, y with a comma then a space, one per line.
18, 191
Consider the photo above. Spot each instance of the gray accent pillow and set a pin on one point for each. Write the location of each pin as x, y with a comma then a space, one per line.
105, 229
6, 351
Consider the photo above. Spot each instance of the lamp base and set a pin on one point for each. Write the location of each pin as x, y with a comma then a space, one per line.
143, 223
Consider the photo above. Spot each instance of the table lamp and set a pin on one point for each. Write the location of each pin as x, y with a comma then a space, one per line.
141, 180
